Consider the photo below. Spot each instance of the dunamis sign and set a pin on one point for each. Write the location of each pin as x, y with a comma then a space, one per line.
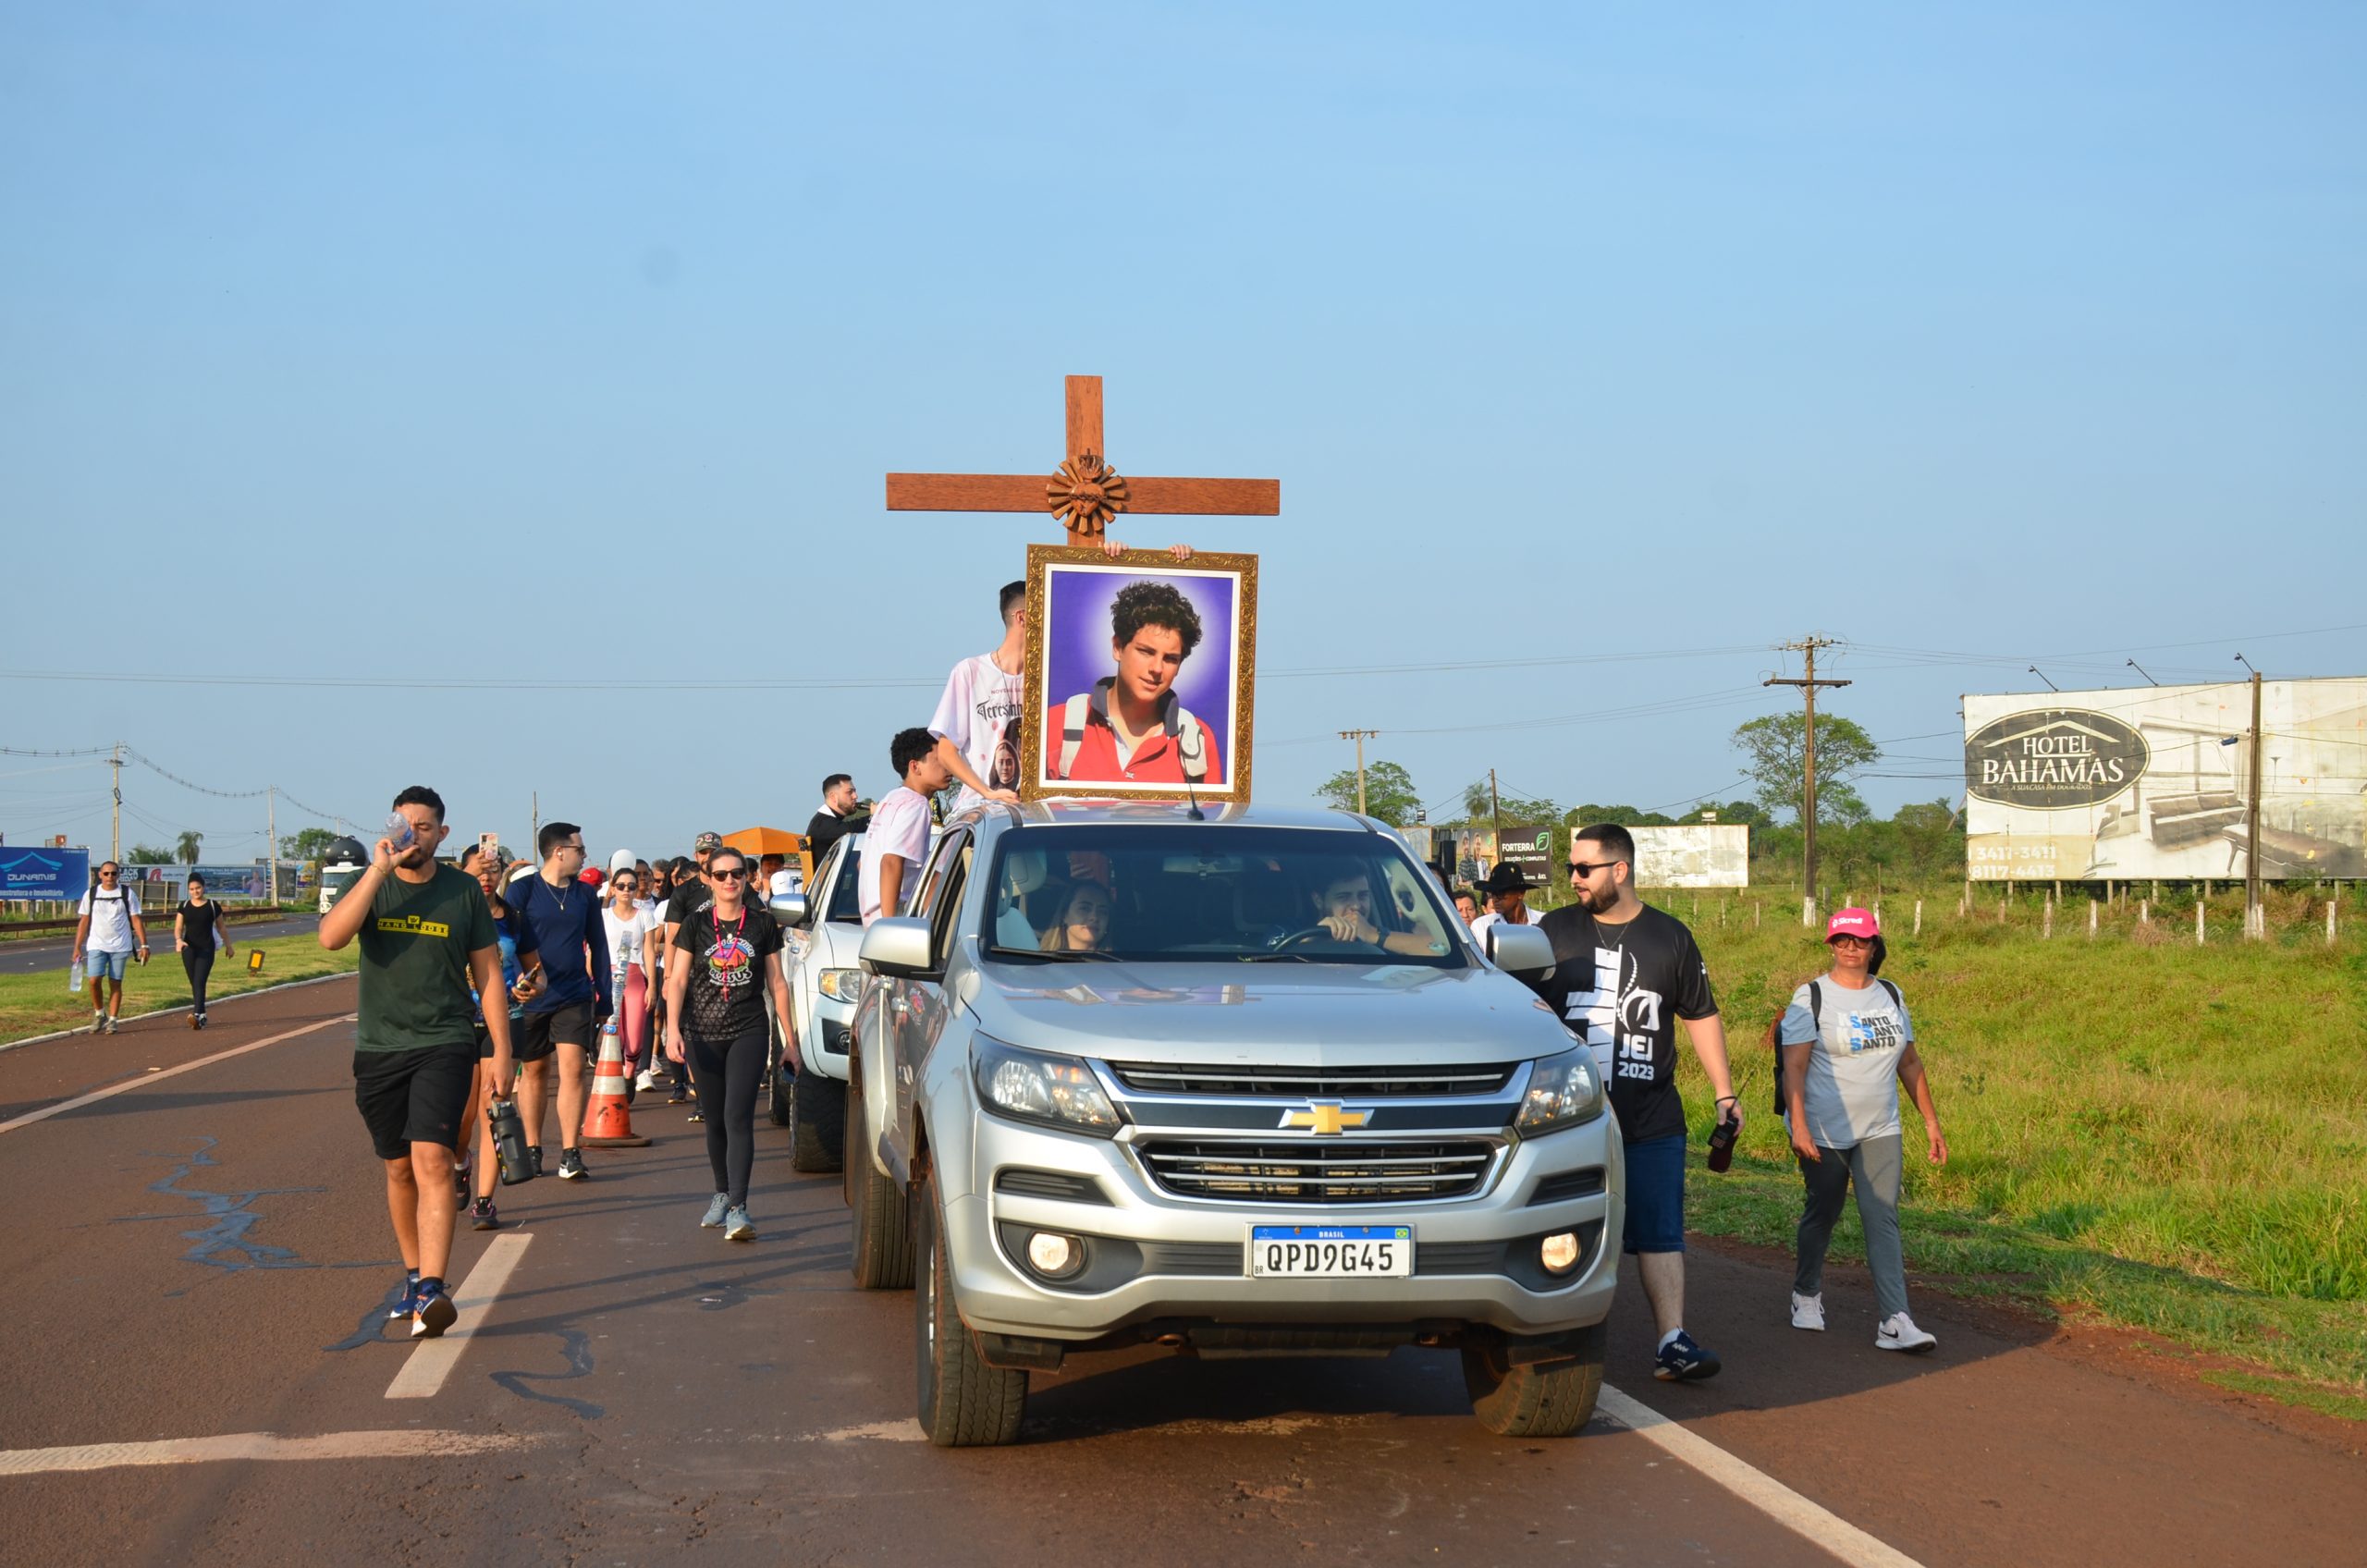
2054, 759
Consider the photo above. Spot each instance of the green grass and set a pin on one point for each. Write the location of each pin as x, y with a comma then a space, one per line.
39, 1003
2325, 1402
2172, 1138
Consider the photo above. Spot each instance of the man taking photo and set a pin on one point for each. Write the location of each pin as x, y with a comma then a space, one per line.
426, 938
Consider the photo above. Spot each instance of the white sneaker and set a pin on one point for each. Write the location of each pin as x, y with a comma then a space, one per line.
1808, 1312
1898, 1332
647, 1080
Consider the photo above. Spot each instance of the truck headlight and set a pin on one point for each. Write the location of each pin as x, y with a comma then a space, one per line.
1058, 1091
839, 985
1563, 1091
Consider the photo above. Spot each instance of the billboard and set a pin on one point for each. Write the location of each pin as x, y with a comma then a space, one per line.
45, 874
1531, 849
2156, 782
1714, 854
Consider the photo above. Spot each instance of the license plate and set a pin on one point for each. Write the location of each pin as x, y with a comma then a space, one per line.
1331, 1251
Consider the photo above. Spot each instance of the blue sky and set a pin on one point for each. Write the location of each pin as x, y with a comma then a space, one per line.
529, 343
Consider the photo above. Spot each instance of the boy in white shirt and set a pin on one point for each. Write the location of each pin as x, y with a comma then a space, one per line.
897, 841
977, 724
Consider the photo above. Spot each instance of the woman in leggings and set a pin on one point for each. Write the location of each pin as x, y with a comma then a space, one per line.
715, 1016
195, 926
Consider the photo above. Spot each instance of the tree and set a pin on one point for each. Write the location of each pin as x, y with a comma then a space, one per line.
1775, 748
1388, 792
1512, 808
185, 850
309, 843
148, 854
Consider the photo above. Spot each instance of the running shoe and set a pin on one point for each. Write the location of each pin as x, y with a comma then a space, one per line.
406, 1304
201, 1021
436, 1315
678, 1097
481, 1215
646, 1080
110, 1027
1808, 1312
192, 1021
738, 1227
1682, 1361
570, 1166
716, 1208
537, 1150
694, 1116
1898, 1332
98, 1020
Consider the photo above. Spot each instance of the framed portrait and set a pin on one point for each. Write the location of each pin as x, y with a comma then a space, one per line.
1140, 676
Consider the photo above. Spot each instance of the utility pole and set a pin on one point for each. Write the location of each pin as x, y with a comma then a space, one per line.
1496, 815
114, 825
271, 836
2255, 919
1359, 736
1808, 647
534, 833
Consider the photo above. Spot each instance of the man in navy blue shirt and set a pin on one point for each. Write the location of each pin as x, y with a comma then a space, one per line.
559, 917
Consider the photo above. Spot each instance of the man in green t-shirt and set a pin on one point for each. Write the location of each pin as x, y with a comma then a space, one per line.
426, 936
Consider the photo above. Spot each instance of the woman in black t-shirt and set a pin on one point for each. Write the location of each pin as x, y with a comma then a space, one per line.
194, 924
714, 1018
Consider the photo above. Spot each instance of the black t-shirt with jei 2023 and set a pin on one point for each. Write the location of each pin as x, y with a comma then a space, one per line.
726, 959
1622, 988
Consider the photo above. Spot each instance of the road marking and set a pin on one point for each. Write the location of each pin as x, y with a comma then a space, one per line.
1820, 1526
256, 1445
46, 1112
905, 1431
423, 1375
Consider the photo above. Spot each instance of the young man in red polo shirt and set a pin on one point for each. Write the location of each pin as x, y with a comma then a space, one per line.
1130, 729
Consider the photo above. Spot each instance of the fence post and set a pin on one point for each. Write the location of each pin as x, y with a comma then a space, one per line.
2000, 909
2092, 920
2144, 911
2046, 920
2197, 922
1808, 908
1919, 918
1754, 915
2330, 903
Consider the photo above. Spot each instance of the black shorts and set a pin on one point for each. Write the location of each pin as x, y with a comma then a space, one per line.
409, 1098
535, 1035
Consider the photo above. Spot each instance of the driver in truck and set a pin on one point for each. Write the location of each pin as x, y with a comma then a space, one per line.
1344, 908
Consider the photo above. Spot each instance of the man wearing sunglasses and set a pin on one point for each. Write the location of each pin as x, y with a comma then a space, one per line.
1624, 974
110, 924
559, 917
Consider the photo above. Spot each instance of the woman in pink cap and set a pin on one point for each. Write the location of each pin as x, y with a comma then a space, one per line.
1848, 1044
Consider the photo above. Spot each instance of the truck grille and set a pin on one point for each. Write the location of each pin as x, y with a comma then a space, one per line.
1313, 1083
1299, 1172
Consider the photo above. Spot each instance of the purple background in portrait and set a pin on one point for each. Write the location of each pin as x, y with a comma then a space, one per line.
1076, 643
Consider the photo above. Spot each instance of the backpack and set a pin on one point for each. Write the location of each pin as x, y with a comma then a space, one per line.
1816, 1016
1191, 737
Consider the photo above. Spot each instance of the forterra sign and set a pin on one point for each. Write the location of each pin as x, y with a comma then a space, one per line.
2156, 782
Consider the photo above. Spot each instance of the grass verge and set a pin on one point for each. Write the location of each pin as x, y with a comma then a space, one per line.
2173, 1137
39, 1004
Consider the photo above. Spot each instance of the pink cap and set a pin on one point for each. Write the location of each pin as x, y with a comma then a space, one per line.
1852, 921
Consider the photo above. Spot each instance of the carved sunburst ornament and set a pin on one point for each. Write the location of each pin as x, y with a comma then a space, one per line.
1084, 493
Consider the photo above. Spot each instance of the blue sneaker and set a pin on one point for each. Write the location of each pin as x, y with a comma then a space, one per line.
1682, 1361
406, 1304
718, 1206
738, 1227
436, 1313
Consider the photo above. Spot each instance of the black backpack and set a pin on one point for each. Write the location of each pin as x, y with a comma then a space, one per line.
1816, 1015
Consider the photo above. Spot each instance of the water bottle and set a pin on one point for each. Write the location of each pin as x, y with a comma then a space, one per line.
509, 1142
74, 979
399, 833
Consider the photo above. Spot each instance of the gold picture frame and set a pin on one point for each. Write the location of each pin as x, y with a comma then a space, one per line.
1070, 600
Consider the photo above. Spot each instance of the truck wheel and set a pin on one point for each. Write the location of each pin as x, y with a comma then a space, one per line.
1550, 1400
963, 1402
817, 1118
883, 1227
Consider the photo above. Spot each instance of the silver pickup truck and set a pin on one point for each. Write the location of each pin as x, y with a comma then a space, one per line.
1238, 1083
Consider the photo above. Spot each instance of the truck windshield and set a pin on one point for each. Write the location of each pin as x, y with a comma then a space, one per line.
1214, 892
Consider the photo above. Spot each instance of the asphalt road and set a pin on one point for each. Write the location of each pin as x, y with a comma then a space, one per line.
52, 952
206, 1257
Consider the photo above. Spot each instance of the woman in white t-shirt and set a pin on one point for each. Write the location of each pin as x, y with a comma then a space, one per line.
628, 923
1848, 1045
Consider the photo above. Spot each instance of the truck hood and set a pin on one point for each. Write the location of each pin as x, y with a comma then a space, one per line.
1280, 1015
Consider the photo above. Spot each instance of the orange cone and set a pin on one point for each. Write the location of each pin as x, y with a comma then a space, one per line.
607, 1122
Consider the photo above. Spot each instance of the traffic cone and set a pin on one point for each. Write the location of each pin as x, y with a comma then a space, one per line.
607, 1123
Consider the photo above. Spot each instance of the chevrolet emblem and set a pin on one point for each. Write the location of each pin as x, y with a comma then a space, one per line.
1325, 1118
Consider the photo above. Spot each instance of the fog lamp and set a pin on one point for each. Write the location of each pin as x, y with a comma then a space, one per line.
1559, 1252
1053, 1256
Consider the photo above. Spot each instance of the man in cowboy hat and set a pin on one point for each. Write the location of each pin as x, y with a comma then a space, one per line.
1507, 890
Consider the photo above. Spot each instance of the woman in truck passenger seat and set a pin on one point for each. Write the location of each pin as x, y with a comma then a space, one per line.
1083, 925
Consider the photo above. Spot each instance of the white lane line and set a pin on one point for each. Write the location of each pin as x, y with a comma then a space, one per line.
1820, 1526
255, 1445
423, 1375
46, 1112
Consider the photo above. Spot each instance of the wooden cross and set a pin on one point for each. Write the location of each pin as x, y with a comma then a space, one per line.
1084, 491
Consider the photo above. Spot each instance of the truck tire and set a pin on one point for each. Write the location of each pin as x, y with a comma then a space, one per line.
963, 1402
883, 1226
777, 1098
818, 1121
1549, 1400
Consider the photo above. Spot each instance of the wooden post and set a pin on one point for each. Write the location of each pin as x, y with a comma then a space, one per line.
1754, 915
1919, 917
2330, 903
2255, 916
2197, 922
1808, 908
2092, 920
2046, 920
2058, 889
2000, 909
2144, 911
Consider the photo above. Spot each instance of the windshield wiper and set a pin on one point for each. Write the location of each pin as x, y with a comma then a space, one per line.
1069, 955
1284, 958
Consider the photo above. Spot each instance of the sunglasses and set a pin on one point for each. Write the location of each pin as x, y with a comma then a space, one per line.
1580, 870
1852, 941
736, 874
626, 886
